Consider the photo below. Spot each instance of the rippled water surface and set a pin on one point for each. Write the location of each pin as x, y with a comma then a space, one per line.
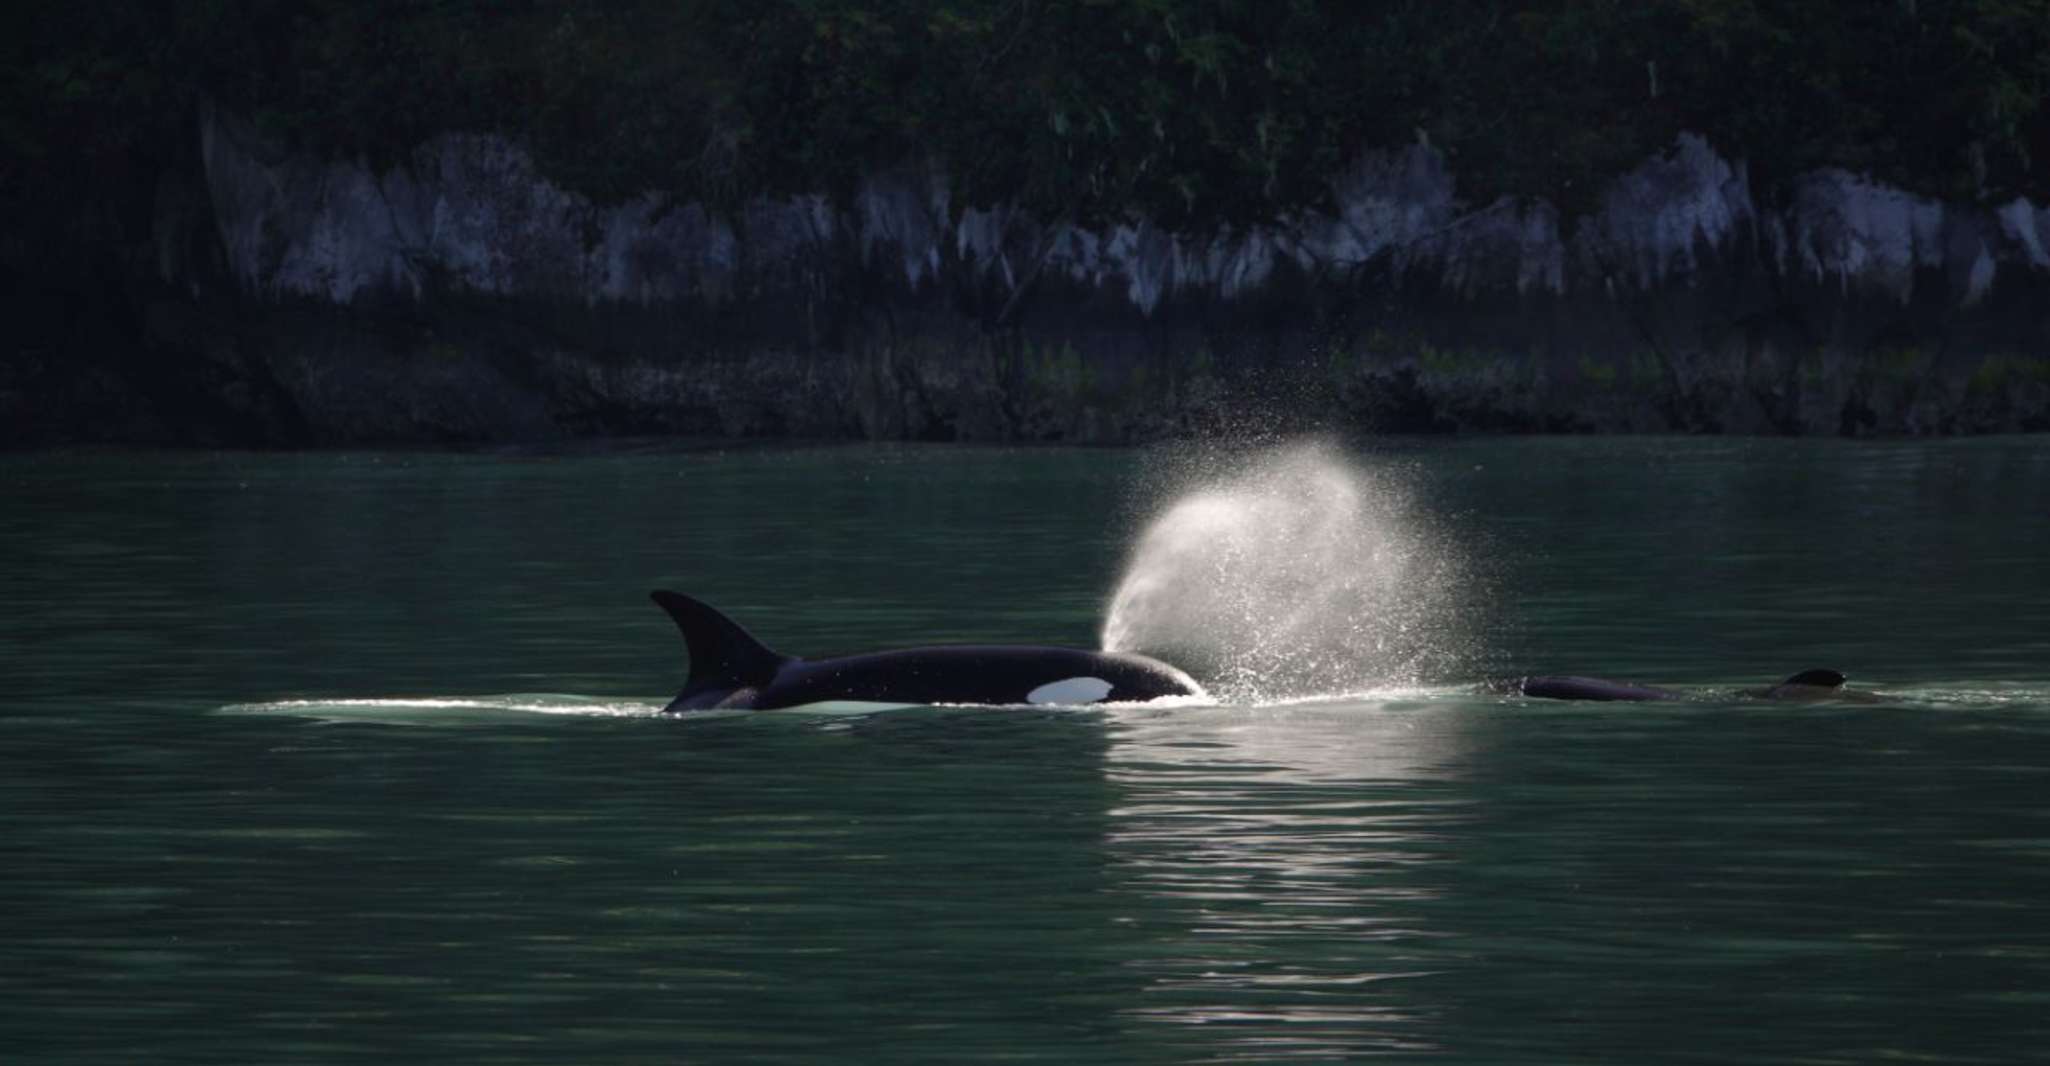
333, 758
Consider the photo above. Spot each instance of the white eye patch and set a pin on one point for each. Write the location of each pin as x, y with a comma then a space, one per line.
1072, 690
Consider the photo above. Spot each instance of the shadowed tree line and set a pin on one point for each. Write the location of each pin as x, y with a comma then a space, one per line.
1194, 112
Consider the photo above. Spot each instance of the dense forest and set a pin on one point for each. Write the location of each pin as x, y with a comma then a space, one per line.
1193, 111
1196, 114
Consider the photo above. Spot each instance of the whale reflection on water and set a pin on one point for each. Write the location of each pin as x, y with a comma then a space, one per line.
1286, 857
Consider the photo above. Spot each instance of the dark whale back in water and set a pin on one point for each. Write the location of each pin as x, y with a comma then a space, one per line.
1589, 688
731, 669
1807, 685
1818, 684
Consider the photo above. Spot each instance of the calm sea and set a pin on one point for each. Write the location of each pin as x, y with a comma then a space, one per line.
353, 757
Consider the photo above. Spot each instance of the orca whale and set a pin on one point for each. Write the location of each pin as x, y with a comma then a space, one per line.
731, 669
1818, 684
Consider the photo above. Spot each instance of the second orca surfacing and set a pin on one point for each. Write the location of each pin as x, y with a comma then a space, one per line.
1808, 685
730, 669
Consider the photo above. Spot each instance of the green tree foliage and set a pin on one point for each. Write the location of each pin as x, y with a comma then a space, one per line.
1199, 113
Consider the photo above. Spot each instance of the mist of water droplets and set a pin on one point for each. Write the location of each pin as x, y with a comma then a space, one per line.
1288, 572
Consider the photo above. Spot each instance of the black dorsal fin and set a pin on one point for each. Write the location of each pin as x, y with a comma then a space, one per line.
1820, 677
722, 655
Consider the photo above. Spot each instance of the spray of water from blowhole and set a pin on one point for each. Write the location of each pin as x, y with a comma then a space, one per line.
1292, 571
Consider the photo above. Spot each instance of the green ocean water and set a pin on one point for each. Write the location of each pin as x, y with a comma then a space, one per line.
351, 757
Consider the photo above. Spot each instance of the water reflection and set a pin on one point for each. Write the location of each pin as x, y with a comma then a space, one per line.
1281, 857
1496, 883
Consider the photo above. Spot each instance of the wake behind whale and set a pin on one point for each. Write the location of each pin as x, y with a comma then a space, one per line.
1295, 571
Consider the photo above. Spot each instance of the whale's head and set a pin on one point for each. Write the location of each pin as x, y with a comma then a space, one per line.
1142, 677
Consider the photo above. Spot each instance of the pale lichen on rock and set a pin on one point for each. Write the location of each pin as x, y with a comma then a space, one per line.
901, 311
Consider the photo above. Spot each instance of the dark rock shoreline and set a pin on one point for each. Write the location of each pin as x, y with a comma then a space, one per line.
460, 298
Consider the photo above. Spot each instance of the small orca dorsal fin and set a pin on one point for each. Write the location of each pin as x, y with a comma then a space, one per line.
1817, 678
722, 655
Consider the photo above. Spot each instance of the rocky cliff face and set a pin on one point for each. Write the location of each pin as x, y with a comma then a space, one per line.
463, 296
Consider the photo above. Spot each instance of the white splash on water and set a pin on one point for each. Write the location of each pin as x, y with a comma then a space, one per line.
1291, 572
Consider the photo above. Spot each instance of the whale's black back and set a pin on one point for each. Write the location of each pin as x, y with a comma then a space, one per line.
987, 673
1807, 685
1589, 688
